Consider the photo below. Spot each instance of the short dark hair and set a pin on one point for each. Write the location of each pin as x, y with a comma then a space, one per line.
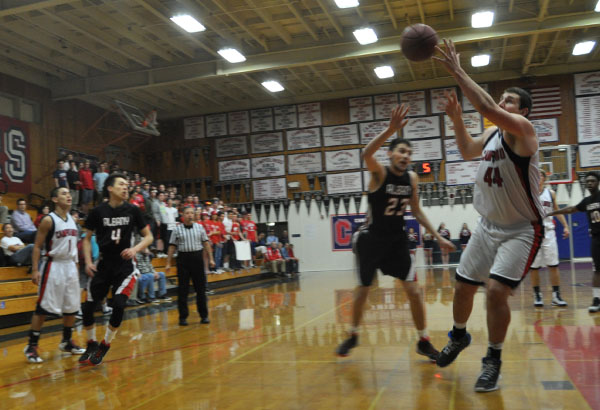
524, 98
110, 181
21, 199
6, 225
397, 141
54, 192
593, 174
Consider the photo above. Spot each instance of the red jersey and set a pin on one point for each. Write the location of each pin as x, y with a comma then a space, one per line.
138, 200
249, 230
213, 231
85, 177
235, 231
273, 254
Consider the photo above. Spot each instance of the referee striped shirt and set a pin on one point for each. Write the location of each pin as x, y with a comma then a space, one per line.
188, 238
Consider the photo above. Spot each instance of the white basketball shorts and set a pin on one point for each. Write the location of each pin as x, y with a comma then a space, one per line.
548, 254
59, 290
504, 254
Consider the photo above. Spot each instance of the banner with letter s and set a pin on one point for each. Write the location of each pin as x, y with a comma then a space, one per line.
15, 165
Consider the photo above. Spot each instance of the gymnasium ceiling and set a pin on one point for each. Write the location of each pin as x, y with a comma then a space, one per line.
100, 50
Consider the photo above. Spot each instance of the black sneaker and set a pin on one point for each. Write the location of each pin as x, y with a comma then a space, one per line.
452, 349
490, 373
99, 354
205, 321
70, 347
537, 300
343, 350
425, 348
32, 355
595, 307
92, 346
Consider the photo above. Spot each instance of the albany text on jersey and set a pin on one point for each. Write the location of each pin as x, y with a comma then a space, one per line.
388, 203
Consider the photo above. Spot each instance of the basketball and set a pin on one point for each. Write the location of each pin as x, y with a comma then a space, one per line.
418, 42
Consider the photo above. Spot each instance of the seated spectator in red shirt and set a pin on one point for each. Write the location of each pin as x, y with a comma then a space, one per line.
137, 199
87, 186
274, 259
45, 211
291, 262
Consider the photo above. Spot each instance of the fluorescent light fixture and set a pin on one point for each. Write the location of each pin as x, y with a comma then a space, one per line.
232, 55
585, 47
344, 4
480, 60
270, 223
597, 9
273, 86
482, 19
188, 23
365, 35
384, 71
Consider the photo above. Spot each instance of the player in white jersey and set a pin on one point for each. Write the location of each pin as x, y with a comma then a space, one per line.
548, 254
59, 291
510, 231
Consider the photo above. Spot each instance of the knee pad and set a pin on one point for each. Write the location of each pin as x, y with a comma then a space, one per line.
116, 317
88, 313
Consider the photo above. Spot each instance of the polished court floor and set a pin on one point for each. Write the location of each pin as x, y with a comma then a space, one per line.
270, 346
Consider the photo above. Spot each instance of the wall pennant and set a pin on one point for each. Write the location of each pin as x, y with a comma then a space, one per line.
246, 184
276, 207
336, 203
357, 201
346, 199
257, 206
581, 176
297, 198
326, 203
319, 200
267, 210
307, 201
286, 207
569, 188
322, 182
311, 181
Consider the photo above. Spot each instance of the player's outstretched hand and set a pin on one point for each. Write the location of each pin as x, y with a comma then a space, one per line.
446, 244
397, 119
452, 106
449, 58
90, 270
566, 233
128, 253
35, 276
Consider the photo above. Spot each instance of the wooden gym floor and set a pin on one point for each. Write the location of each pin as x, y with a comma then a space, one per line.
270, 346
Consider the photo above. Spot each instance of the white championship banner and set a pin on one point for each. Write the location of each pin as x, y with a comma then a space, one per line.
342, 160
216, 125
264, 167
303, 139
422, 127
309, 115
588, 118
426, 150
340, 135
415, 101
369, 130
265, 189
587, 83
546, 129
261, 120
589, 155
286, 117
231, 146
267, 142
305, 163
381, 155
452, 151
466, 104
193, 128
438, 99
384, 104
239, 122
473, 123
361, 109
234, 169
344, 183
461, 173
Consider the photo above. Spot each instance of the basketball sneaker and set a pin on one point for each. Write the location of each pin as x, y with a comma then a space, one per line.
32, 355
99, 354
343, 350
537, 300
557, 300
595, 307
490, 373
70, 347
425, 348
92, 346
452, 349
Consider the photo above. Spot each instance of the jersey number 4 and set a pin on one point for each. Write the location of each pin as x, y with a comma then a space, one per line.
492, 176
392, 208
115, 235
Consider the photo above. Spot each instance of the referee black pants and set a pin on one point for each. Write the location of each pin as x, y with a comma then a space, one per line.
191, 266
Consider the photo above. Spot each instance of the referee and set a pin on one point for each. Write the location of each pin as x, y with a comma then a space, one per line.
190, 238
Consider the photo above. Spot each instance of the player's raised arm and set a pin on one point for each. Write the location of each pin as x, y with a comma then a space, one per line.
468, 146
397, 122
515, 124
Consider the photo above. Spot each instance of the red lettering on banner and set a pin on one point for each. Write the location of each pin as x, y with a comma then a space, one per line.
343, 232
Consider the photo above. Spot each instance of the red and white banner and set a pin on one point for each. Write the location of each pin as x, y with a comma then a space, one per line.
546, 102
15, 165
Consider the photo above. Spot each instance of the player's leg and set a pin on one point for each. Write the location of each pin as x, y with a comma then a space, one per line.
199, 281
595, 245
549, 253
70, 306
534, 274
31, 350
46, 292
557, 299
97, 289
183, 288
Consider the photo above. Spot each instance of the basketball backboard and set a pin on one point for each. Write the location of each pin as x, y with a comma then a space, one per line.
135, 118
555, 160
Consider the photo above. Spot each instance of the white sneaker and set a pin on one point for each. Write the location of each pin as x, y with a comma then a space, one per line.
595, 306
106, 310
537, 300
557, 300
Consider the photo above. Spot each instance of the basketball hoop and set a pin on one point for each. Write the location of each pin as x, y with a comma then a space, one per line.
150, 119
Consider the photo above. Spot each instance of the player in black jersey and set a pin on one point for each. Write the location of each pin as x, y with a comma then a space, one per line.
383, 243
114, 223
590, 205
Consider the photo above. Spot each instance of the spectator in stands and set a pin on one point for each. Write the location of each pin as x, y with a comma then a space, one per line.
74, 183
17, 252
284, 238
169, 221
99, 178
215, 231
274, 259
291, 263
271, 237
87, 186
146, 190
23, 226
45, 211
3, 212
465, 235
444, 233
249, 229
147, 277
67, 162
236, 235
60, 175
292, 256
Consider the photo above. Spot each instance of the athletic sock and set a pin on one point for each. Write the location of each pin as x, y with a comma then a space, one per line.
459, 330
67, 333
34, 337
354, 330
109, 335
91, 333
494, 350
423, 334
596, 292
556, 289
536, 290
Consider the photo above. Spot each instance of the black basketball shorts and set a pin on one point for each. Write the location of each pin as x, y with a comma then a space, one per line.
119, 274
595, 245
390, 254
